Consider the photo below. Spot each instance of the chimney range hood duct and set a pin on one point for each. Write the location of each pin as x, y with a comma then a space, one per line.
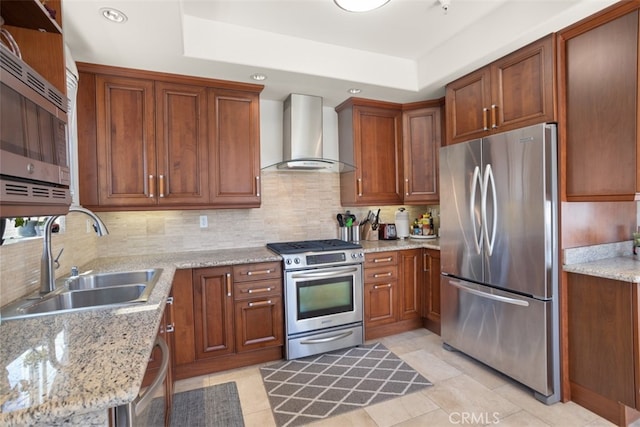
302, 136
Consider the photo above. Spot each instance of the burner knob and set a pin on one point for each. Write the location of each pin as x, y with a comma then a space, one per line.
297, 260
361, 254
288, 261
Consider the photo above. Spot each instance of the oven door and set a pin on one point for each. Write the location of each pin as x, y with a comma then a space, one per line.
323, 298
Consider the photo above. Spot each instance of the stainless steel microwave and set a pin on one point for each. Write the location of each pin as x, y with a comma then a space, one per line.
34, 168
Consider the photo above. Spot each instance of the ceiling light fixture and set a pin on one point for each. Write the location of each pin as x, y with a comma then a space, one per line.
354, 90
258, 77
113, 15
360, 5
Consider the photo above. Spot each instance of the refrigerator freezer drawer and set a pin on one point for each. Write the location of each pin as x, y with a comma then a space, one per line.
508, 332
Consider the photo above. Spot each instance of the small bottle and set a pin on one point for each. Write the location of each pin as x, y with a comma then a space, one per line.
416, 228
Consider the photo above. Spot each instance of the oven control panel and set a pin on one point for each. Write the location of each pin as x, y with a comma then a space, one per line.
321, 259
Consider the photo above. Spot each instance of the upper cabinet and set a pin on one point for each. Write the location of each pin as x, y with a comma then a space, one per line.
598, 84
157, 141
421, 141
39, 36
514, 91
370, 138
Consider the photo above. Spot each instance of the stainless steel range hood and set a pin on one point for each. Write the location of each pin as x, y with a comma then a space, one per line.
302, 136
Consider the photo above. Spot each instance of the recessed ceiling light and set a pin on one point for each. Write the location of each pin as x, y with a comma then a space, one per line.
354, 90
360, 5
113, 15
258, 77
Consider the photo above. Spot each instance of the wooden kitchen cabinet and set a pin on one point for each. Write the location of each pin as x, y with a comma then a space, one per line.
514, 91
370, 138
598, 84
421, 141
431, 300
213, 312
604, 346
160, 141
227, 317
39, 37
392, 292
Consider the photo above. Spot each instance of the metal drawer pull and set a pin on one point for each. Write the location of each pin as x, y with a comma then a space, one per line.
383, 259
253, 291
388, 285
151, 184
387, 274
228, 284
253, 273
406, 186
161, 177
257, 186
359, 187
259, 303
494, 116
485, 119
327, 339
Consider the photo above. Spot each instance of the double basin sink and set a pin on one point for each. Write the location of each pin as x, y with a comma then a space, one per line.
87, 291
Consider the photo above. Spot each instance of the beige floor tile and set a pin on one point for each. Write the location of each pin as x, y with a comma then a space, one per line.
191, 384
430, 366
437, 418
520, 419
464, 395
253, 396
403, 408
262, 418
559, 414
357, 418
485, 375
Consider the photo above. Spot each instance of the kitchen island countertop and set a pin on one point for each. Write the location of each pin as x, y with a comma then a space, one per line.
70, 368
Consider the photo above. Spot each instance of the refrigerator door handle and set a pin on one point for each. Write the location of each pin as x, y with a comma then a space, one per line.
475, 180
488, 178
494, 297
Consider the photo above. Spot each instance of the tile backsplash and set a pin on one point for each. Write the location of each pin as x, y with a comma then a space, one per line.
295, 206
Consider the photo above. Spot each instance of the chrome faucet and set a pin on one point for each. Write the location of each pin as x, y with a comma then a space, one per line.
47, 268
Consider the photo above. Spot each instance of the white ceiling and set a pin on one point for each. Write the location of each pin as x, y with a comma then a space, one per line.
404, 51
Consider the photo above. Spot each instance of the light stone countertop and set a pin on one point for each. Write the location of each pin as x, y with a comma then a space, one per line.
623, 268
70, 368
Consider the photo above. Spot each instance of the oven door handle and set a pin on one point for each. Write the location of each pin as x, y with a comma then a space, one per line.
334, 272
327, 339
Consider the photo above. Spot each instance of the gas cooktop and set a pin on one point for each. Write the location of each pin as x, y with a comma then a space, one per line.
311, 246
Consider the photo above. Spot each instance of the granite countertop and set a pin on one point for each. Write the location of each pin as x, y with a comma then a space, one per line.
69, 368
623, 268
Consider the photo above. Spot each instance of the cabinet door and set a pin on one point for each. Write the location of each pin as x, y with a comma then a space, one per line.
213, 312
410, 283
126, 148
234, 133
467, 102
431, 304
522, 87
378, 153
259, 323
181, 135
183, 320
599, 86
380, 303
421, 144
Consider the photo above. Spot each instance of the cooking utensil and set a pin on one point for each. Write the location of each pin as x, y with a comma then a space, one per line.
340, 219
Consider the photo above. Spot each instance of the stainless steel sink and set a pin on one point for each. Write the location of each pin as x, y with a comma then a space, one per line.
105, 280
87, 291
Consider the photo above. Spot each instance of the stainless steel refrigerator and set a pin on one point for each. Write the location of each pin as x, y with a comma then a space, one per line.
499, 254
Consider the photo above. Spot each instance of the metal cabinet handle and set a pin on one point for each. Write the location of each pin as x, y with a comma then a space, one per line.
494, 116
171, 324
387, 274
151, 184
388, 285
406, 186
485, 119
259, 272
425, 264
258, 290
259, 303
359, 187
257, 186
228, 284
383, 259
161, 179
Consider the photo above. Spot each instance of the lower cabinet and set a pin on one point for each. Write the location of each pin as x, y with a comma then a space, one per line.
431, 294
604, 346
392, 292
227, 317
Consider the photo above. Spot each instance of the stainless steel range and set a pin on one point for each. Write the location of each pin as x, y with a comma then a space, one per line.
323, 295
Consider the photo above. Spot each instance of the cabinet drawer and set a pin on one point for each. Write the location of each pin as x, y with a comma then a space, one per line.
261, 271
257, 289
382, 274
380, 259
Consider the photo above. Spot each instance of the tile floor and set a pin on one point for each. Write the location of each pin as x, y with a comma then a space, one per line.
465, 393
